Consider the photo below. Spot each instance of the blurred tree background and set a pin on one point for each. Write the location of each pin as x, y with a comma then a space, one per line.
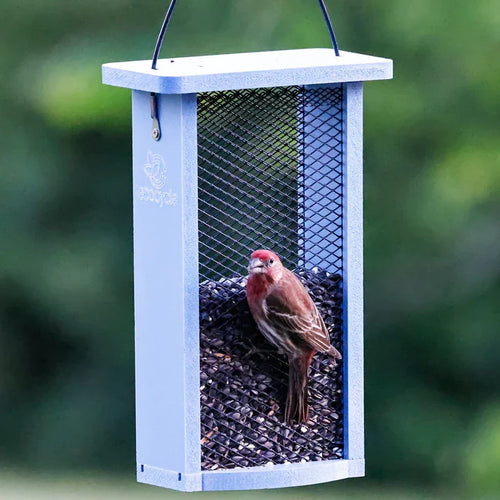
432, 187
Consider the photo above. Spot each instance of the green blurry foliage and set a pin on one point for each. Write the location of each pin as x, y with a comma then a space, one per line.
432, 188
483, 458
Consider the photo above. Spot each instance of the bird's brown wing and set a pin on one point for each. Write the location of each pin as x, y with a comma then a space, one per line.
296, 316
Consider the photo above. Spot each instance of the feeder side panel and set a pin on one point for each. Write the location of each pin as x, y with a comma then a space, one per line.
321, 227
166, 290
353, 271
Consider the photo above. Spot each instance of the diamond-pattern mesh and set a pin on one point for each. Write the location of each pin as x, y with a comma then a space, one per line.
270, 176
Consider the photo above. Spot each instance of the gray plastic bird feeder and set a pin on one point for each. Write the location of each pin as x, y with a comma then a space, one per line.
232, 153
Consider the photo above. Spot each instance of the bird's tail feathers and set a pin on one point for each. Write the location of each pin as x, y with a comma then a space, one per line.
297, 408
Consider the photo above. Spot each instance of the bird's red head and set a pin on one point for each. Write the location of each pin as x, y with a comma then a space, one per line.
265, 262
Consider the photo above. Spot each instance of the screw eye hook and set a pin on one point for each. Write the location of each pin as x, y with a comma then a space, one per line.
156, 132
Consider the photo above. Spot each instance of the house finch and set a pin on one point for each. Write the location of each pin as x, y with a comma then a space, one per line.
288, 319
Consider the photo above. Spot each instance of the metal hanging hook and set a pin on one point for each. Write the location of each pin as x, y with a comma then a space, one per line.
170, 11
330, 27
161, 34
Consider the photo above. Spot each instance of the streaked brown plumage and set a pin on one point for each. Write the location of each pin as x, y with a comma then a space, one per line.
288, 319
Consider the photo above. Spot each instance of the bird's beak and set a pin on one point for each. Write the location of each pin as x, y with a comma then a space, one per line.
255, 266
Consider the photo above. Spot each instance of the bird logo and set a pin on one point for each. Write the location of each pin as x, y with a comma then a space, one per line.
156, 170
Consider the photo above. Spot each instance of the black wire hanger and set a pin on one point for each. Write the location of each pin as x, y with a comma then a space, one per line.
170, 11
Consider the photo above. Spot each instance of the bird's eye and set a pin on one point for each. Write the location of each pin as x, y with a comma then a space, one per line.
271, 261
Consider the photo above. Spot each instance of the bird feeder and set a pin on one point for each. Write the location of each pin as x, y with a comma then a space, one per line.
232, 153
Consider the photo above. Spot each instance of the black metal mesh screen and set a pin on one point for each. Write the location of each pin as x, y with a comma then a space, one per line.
270, 176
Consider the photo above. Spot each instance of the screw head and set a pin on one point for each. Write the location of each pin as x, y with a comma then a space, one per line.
156, 133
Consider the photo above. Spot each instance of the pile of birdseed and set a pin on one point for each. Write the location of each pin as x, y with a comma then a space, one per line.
244, 382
